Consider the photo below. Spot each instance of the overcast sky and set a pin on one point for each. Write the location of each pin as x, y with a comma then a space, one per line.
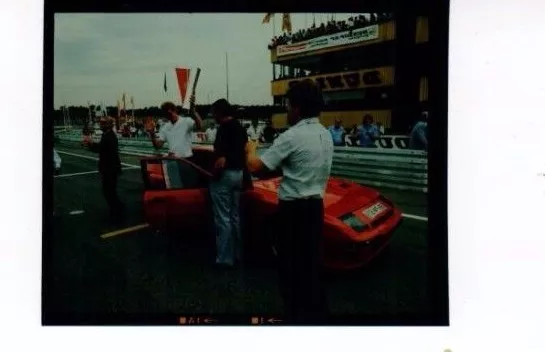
100, 56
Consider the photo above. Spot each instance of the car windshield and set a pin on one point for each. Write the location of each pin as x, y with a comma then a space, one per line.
173, 174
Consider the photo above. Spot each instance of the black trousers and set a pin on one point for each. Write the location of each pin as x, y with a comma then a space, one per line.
299, 247
109, 189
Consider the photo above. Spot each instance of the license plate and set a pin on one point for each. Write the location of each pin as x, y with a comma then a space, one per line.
374, 210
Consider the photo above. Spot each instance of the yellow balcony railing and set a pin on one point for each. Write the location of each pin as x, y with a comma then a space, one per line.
376, 77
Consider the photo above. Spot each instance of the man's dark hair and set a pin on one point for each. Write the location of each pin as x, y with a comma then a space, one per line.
166, 106
424, 115
222, 108
307, 96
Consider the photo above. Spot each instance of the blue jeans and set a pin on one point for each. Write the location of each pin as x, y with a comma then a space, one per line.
225, 195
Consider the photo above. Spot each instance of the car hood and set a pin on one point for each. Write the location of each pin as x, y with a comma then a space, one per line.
341, 196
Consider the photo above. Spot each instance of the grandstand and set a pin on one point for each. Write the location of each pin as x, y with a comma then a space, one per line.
357, 69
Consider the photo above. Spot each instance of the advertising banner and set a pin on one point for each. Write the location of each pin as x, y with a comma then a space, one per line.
349, 80
329, 41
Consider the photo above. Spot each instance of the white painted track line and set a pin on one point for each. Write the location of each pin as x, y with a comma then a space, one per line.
88, 173
415, 217
94, 158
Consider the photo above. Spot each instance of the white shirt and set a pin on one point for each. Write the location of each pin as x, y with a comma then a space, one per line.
211, 134
305, 154
254, 133
179, 136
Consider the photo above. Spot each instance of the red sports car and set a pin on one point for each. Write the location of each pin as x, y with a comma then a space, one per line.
358, 223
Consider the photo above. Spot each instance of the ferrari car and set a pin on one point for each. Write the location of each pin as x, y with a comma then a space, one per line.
358, 223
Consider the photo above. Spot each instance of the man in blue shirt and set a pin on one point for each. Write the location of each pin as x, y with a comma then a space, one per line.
337, 133
368, 132
419, 133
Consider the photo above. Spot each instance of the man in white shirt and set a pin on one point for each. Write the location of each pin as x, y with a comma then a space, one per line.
305, 154
211, 133
178, 133
254, 131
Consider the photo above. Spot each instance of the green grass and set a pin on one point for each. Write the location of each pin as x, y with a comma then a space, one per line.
143, 272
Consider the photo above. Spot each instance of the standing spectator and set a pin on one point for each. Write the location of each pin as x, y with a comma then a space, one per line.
228, 183
57, 161
337, 133
211, 133
87, 131
109, 166
178, 133
254, 132
368, 132
419, 138
269, 133
132, 130
304, 153
353, 135
380, 127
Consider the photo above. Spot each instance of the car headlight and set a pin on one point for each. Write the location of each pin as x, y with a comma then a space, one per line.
353, 222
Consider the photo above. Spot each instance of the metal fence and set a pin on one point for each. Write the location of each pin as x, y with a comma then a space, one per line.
392, 168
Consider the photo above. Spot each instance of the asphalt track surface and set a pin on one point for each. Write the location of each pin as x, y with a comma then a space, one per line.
141, 272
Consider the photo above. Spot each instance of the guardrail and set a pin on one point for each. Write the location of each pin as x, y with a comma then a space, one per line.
392, 168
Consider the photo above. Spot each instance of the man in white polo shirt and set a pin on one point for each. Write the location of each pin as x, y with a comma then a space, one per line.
254, 131
211, 133
304, 153
178, 133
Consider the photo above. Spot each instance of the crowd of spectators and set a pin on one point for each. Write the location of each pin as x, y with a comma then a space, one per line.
330, 27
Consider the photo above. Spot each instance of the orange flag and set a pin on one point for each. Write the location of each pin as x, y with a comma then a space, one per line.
267, 17
286, 22
183, 80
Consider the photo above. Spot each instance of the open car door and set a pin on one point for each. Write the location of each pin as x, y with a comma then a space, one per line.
176, 195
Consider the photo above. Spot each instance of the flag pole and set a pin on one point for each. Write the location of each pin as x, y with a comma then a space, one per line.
63, 108
227, 75
69, 120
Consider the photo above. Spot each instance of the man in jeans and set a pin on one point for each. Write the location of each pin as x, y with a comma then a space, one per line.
229, 169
